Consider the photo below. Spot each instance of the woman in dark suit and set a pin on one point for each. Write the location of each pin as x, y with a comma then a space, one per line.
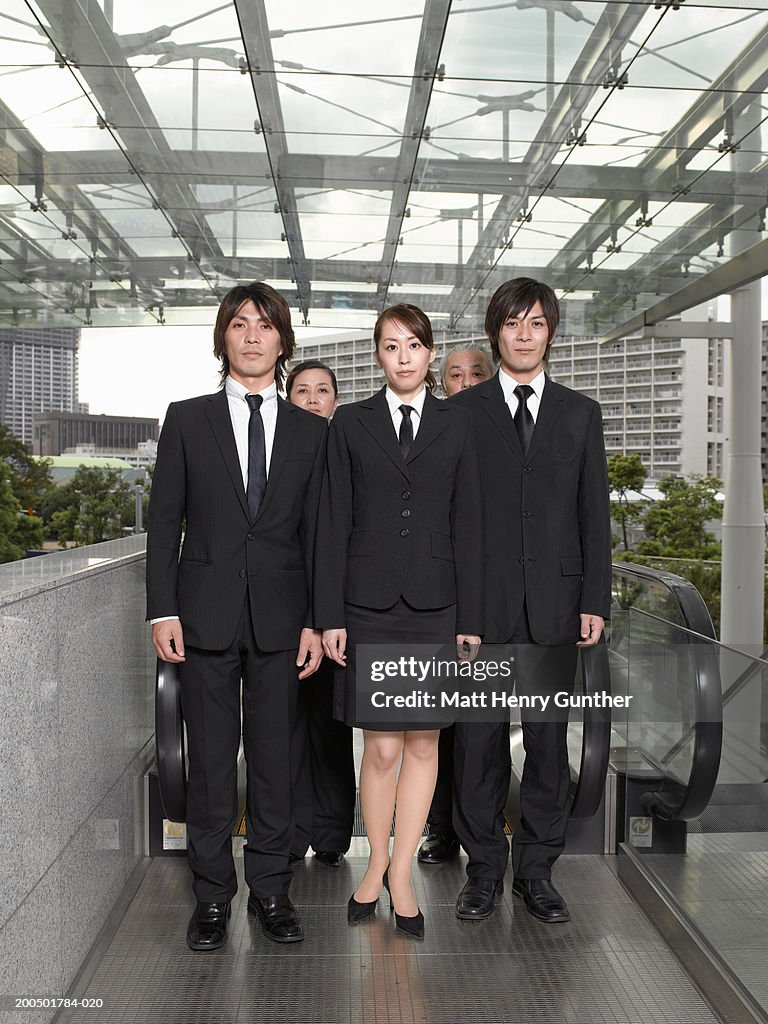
324, 786
399, 562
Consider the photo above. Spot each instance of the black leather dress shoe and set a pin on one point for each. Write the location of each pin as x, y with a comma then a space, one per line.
332, 858
437, 848
542, 899
477, 900
208, 926
279, 920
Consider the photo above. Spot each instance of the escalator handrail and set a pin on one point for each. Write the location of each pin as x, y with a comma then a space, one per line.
672, 800
683, 803
692, 606
596, 734
169, 742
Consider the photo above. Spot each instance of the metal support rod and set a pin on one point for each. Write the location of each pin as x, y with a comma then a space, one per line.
505, 135
195, 99
550, 58
460, 260
234, 221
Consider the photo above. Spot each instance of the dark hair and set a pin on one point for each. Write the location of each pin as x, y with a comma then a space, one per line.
272, 306
417, 322
310, 364
518, 297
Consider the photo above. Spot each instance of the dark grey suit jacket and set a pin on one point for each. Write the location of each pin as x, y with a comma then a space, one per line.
198, 480
547, 514
391, 527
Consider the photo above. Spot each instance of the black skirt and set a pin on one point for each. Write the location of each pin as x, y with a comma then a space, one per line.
399, 625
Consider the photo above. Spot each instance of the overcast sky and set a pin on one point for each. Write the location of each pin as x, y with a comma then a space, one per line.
138, 371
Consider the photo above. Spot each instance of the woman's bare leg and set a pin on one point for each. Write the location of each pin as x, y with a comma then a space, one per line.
378, 784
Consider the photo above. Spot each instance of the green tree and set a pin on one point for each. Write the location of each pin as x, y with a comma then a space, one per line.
626, 473
96, 500
675, 526
29, 478
18, 532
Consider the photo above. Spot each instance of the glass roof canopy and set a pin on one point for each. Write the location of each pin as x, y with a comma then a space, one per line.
153, 154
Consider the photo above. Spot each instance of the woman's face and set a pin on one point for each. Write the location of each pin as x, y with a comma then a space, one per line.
403, 358
313, 391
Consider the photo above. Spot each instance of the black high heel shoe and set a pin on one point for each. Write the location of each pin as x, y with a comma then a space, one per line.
413, 926
358, 912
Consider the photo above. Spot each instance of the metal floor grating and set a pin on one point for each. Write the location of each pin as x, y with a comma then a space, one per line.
607, 966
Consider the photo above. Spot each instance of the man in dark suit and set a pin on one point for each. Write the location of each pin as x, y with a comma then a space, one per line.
241, 471
548, 575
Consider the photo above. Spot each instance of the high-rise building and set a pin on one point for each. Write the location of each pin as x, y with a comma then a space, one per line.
38, 373
350, 356
661, 398
57, 432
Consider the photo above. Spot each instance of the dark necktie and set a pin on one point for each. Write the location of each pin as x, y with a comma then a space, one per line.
257, 456
523, 418
405, 437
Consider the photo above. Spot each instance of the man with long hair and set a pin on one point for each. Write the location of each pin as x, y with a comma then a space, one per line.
240, 470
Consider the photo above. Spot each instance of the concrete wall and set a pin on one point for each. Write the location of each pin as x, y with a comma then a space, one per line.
76, 731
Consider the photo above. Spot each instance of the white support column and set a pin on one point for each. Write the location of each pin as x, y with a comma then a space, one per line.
743, 582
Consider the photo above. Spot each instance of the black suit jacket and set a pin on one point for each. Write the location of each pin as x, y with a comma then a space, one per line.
390, 527
198, 479
547, 514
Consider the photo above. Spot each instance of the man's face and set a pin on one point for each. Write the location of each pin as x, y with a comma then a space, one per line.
463, 370
253, 346
523, 341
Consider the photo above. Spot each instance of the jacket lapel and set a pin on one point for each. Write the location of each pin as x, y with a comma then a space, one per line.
549, 412
498, 410
374, 416
431, 426
217, 411
285, 428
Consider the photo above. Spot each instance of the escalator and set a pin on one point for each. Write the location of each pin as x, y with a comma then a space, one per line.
656, 761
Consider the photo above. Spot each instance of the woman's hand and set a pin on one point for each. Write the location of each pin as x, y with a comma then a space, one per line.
335, 645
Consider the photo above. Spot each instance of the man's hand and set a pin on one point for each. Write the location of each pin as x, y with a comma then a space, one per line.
335, 644
168, 640
464, 641
591, 628
310, 652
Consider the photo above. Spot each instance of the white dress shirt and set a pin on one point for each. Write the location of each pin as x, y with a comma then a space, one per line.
508, 385
417, 404
240, 414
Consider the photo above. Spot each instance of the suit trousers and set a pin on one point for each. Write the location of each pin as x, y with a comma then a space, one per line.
324, 769
440, 817
211, 703
482, 770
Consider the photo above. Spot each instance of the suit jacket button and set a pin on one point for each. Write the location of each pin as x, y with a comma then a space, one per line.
527, 515
526, 469
404, 533
405, 495
521, 561
242, 574
251, 537
405, 513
